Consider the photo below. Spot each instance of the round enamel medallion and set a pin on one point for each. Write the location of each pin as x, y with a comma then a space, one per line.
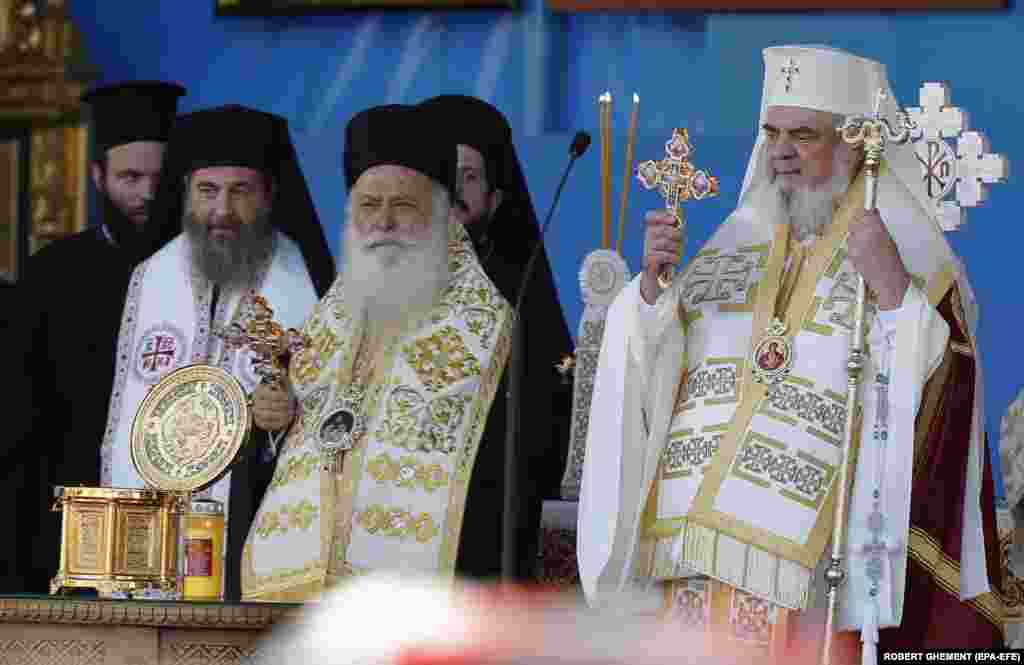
338, 430
159, 351
773, 356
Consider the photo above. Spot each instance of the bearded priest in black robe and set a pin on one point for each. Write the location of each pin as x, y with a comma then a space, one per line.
63, 327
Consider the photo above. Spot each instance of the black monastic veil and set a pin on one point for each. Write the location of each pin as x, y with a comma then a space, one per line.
293, 212
503, 247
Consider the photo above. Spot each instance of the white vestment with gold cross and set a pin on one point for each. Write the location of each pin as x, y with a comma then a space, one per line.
399, 500
671, 381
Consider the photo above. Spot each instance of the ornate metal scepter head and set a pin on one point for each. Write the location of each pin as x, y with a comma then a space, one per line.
872, 134
271, 345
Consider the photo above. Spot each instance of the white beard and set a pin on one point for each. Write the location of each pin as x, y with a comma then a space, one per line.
394, 287
807, 211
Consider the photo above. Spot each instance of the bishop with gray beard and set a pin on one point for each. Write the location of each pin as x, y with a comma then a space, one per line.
393, 282
808, 209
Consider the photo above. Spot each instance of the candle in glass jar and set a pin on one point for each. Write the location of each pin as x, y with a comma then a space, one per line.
204, 551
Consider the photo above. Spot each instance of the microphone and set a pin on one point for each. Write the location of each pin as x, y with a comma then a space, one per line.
510, 513
580, 143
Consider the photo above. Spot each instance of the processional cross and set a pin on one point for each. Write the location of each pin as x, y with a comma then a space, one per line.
970, 168
677, 180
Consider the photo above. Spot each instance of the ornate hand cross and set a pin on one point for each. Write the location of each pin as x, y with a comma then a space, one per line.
269, 342
970, 168
677, 180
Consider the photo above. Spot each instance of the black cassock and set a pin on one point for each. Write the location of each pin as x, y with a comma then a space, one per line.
63, 340
544, 407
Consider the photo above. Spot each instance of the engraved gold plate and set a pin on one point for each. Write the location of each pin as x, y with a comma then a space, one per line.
190, 428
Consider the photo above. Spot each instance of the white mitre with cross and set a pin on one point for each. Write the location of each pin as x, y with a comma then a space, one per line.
827, 79
820, 78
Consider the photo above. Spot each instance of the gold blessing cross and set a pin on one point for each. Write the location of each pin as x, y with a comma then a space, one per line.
270, 343
677, 181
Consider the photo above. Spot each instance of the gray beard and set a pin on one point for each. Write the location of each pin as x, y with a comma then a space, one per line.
391, 287
808, 212
232, 265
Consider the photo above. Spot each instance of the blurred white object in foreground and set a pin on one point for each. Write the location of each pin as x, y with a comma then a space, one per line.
389, 620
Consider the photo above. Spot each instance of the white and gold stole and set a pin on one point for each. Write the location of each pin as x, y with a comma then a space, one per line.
745, 485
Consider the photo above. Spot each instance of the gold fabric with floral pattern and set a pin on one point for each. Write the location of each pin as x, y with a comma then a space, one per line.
400, 496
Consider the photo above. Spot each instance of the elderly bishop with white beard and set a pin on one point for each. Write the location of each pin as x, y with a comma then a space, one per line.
394, 393
233, 179
715, 435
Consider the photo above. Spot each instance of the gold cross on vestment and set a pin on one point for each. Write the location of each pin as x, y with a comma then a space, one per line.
789, 70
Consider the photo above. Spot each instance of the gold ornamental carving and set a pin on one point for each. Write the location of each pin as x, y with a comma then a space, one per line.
56, 610
57, 186
41, 63
42, 77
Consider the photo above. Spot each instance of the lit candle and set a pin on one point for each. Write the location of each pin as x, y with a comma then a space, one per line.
606, 139
627, 175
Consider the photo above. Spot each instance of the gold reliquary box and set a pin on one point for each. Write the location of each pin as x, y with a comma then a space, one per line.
117, 540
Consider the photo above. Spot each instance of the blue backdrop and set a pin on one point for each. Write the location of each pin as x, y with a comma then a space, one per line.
545, 71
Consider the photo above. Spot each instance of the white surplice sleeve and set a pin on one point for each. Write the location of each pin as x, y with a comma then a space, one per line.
629, 419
